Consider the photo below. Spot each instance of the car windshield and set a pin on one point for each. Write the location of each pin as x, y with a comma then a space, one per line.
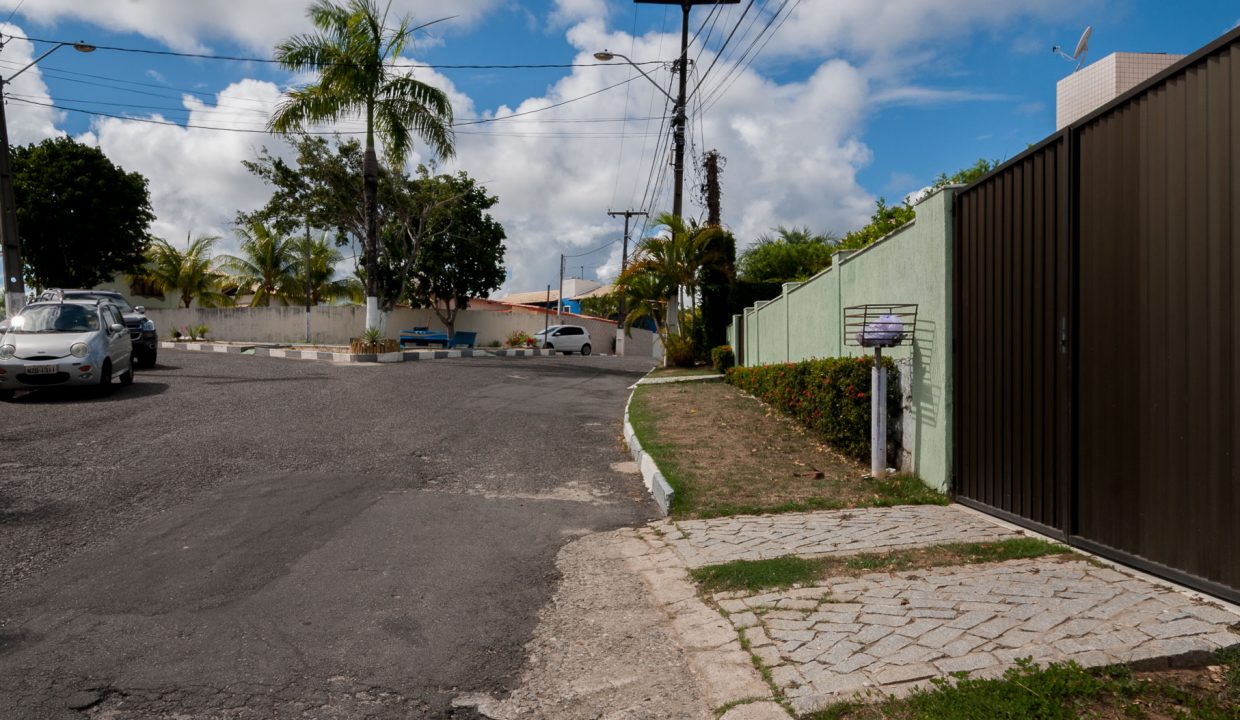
116, 300
55, 319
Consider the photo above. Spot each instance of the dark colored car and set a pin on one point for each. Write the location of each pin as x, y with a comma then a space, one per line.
141, 328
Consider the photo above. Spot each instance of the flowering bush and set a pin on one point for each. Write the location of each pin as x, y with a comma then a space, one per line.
519, 339
722, 358
831, 397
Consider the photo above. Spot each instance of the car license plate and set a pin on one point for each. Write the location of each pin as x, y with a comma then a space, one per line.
41, 369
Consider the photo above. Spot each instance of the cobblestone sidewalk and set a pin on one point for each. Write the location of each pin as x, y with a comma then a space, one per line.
891, 632
710, 542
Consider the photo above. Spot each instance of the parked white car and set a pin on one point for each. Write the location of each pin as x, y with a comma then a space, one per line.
564, 338
55, 343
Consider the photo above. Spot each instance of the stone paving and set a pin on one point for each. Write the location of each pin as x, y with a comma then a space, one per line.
887, 633
891, 632
710, 542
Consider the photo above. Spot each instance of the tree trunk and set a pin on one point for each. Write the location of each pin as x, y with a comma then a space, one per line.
370, 186
673, 313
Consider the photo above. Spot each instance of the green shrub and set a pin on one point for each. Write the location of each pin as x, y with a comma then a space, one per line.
722, 358
680, 351
831, 397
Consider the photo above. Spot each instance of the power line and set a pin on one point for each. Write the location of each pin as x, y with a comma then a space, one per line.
723, 47
273, 61
724, 90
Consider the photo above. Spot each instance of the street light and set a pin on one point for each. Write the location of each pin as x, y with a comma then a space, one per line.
14, 286
678, 124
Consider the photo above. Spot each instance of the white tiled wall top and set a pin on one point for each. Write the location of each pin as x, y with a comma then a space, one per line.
1095, 85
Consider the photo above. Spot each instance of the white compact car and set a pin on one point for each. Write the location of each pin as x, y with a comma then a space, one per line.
65, 342
564, 338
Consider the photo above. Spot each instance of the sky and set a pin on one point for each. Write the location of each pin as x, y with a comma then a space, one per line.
819, 107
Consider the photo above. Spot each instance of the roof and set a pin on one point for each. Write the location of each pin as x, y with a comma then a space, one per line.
540, 297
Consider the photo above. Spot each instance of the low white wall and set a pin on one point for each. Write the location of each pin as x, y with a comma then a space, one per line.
336, 325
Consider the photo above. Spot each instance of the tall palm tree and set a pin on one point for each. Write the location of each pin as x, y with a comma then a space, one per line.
267, 267
352, 53
191, 273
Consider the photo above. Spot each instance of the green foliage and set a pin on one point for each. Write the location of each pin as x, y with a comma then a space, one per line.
460, 253
352, 54
603, 306
756, 575
679, 351
190, 273
832, 396
267, 267
82, 219
717, 280
200, 332
967, 175
722, 358
789, 255
372, 335
885, 220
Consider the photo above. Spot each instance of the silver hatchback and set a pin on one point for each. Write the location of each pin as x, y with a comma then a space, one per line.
64, 343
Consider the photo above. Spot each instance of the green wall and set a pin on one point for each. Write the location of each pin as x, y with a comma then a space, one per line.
912, 265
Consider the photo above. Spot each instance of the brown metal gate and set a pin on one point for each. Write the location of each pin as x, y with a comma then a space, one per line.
1012, 295
1097, 329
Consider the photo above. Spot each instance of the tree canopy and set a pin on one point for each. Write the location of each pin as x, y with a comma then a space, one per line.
787, 255
82, 220
460, 254
353, 52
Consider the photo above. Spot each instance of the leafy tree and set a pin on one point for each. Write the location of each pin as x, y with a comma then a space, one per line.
889, 218
460, 250
789, 255
191, 273
353, 52
718, 281
675, 256
268, 266
82, 219
602, 306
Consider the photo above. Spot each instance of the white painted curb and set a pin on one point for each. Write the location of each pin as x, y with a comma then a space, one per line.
651, 475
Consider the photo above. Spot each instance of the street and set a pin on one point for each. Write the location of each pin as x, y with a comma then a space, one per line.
240, 537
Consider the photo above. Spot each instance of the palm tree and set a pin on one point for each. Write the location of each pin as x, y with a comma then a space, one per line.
352, 52
675, 257
268, 265
191, 274
324, 285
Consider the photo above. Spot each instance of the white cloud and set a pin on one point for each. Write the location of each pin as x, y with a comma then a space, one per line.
192, 26
567, 12
197, 183
30, 120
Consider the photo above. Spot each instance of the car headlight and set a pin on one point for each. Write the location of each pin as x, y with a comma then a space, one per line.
7, 351
79, 350
148, 325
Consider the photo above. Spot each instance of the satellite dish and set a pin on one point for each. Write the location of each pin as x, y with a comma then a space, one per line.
1082, 49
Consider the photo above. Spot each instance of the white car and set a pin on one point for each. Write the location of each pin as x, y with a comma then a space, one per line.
564, 338
57, 343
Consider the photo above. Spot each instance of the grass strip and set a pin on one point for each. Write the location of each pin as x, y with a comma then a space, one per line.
1063, 691
784, 572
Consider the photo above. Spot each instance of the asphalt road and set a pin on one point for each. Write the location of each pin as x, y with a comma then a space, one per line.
240, 537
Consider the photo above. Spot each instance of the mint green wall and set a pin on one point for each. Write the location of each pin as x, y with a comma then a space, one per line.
912, 265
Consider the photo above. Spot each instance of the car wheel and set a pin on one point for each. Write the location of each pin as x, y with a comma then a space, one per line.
105, 378
127, 378
7, 395
148, 359
585, 349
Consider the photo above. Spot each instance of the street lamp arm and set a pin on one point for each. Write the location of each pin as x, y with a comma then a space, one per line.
607, 55
79, 46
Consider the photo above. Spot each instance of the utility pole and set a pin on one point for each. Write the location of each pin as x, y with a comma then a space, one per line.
624, 263
679, 115
713, 162
308, 281
559, 299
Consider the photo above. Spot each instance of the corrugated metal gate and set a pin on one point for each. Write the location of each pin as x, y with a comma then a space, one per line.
1097, 329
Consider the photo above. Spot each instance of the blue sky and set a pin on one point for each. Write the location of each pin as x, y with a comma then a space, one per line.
846, 102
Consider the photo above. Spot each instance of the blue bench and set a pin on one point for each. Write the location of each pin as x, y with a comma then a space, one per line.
421, 337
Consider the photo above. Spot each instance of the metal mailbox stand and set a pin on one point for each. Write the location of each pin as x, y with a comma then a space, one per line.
878, 326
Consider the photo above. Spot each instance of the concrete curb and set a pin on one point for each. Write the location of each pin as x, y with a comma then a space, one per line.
656, 484
680, 379
392, 357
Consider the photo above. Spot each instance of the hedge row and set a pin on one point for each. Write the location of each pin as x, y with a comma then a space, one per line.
831, 397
